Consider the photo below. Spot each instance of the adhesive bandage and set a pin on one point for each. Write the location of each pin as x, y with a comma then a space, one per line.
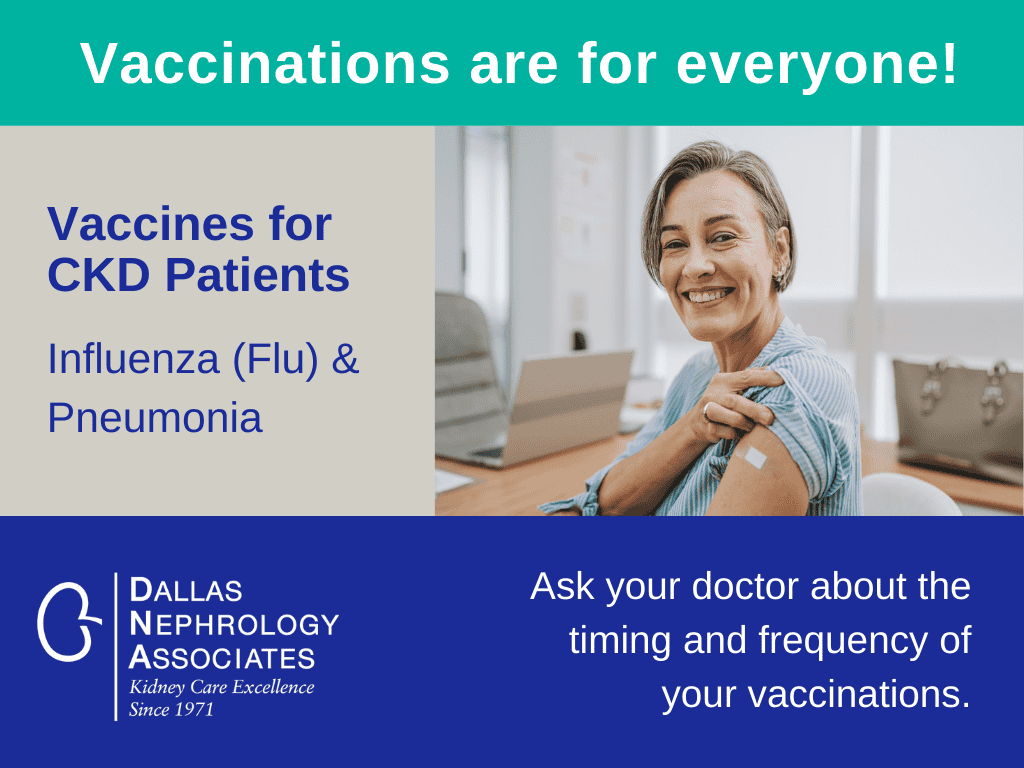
755, 457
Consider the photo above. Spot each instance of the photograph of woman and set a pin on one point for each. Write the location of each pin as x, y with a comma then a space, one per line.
763, 422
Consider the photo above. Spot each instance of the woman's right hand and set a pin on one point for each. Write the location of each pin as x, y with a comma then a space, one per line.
729, 415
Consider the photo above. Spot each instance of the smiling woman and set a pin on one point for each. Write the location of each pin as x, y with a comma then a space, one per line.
763, 422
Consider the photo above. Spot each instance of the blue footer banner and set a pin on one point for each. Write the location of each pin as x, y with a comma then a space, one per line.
393, 641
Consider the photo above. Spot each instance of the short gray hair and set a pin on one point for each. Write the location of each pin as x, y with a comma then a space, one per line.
704, 157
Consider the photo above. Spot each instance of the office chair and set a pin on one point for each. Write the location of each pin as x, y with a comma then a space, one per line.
888, 493
465, 381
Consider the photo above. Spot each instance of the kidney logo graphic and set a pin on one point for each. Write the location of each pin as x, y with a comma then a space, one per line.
81, 617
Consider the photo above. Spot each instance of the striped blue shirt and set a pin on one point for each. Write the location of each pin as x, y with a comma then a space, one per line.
815, 418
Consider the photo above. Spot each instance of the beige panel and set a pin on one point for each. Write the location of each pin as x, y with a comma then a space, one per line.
352, 444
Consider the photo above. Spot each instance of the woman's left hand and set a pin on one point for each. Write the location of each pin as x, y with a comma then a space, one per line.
723, 413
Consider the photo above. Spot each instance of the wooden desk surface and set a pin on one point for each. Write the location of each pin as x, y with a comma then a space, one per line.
881, 457
519, 489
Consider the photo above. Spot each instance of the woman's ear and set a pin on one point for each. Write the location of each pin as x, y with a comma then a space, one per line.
782, 249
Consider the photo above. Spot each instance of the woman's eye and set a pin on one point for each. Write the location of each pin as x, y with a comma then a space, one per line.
723, 237
673, 244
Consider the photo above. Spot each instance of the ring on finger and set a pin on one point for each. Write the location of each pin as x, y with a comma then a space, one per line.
704, 413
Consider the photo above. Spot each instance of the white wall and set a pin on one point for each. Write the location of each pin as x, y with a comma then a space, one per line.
532, 241
954, 219
448, 209
816, 169
568, 225
589, 213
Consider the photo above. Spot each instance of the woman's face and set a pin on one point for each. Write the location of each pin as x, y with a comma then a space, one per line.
716, 263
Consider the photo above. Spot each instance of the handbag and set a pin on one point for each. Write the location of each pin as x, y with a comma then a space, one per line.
961, 419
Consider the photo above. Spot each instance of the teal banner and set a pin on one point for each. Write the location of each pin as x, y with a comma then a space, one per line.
413, 63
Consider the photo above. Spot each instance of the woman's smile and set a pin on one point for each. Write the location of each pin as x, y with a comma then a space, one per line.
707, 297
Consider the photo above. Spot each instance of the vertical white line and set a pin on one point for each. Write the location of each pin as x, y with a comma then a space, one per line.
882, 231
661, 156
855, 202
882, 423
865, 319
638, 315
115, 647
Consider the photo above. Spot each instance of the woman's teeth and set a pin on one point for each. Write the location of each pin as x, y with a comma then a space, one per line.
699, 297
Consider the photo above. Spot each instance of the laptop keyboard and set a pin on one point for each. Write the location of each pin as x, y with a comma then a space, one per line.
489, 453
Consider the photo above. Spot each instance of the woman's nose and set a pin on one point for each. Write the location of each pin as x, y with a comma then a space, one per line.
699, 263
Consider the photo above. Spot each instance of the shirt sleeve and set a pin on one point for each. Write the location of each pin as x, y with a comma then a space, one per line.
667, 415
586, 502
816, 419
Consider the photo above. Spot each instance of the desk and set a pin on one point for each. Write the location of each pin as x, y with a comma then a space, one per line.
881, 457
519, 489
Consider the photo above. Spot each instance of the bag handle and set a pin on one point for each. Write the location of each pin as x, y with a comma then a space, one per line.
992, 399
931, 392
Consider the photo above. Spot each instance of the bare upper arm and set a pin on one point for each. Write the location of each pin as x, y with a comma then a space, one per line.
777, 487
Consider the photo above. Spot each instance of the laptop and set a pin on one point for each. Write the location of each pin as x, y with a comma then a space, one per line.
561, 402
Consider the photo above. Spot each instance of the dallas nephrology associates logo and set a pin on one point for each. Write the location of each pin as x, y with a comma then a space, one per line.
82, 616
